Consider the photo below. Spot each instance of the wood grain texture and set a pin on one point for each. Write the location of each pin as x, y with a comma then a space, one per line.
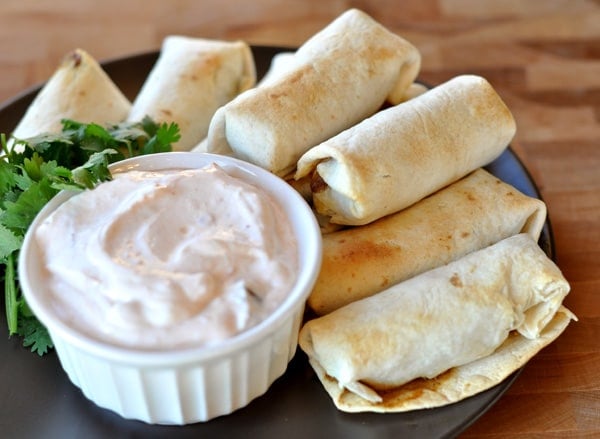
543, 56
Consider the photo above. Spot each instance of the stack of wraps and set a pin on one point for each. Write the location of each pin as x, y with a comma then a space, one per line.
433, 287
338, 77
443, 335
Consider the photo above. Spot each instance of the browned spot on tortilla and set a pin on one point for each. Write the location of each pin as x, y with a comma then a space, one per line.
209, 62
465, 234
376, 55
166, 112
294, 77
413, 389
397, 396
361, 250
276, 95
75, 56
446, 241
298, 74
455, 280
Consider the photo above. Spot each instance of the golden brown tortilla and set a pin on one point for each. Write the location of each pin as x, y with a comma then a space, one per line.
190, 80
80, 90
449, 317
468, 215
406, 152
341, 75
457, 383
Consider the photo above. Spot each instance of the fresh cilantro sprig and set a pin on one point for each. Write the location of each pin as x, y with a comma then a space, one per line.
34, 170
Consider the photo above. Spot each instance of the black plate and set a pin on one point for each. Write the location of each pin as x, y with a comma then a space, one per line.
38, 400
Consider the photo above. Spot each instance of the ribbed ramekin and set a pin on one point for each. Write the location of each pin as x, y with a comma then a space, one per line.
190, 384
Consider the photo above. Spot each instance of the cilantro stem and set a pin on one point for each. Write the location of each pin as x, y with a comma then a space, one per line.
3, 147
10, 295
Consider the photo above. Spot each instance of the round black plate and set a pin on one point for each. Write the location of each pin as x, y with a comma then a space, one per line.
38, 400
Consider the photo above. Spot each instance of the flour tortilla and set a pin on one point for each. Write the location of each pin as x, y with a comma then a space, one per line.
480, 317
414, 90
341, 75
468, 215
455, 384
283, 62
404, 153
191, 79
80, 90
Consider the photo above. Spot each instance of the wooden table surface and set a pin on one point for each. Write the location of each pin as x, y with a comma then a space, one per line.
543, 56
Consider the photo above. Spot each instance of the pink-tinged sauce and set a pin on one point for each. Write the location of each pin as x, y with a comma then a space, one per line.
157, 260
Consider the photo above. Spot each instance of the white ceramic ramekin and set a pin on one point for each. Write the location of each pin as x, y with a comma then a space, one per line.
187, 385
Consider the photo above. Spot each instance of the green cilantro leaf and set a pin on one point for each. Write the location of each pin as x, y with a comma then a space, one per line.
9, 242
95, 170
35, 169
19, 214
35, 335
162, 140
7, 177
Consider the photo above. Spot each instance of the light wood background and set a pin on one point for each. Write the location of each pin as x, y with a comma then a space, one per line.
543, 56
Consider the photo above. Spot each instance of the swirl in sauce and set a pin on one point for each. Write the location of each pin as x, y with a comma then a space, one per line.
159, 260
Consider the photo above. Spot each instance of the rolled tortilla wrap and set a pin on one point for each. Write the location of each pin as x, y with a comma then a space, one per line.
414, 90
457, 383
468, 215
404, 153
284, 62
281, 63
445, 318
80, 90
340, 76
190, 80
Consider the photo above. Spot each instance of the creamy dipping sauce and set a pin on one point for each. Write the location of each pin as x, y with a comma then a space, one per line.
158, 260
